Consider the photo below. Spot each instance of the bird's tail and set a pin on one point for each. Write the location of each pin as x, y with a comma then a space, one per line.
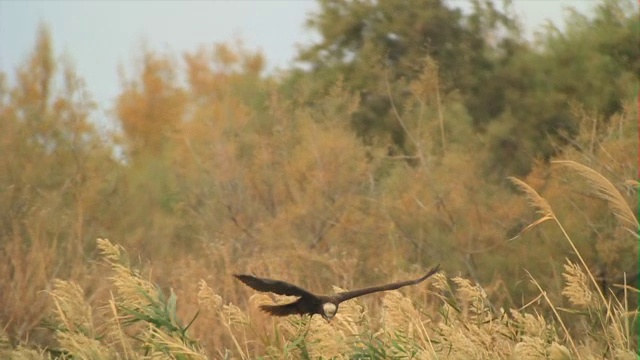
280, 310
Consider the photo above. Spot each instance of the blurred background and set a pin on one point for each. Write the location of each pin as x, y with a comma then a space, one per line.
326, 143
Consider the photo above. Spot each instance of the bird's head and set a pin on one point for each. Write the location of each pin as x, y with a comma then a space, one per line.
329, 310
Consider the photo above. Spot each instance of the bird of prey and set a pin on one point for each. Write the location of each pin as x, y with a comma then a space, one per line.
309, 303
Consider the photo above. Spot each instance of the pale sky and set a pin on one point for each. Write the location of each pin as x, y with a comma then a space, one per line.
98, 36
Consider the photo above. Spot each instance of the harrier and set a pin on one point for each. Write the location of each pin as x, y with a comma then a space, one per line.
309, 303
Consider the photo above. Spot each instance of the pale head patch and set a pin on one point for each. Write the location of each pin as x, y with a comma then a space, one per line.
329, 309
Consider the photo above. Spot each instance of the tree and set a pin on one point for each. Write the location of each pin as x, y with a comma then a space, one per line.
151, 107
372, 43
51, 181
590, 63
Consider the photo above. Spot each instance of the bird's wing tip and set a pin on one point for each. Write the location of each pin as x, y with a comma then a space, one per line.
434, 270
240, 277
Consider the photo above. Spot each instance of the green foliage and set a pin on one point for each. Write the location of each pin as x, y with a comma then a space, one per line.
578, 65
368, 43
517, 93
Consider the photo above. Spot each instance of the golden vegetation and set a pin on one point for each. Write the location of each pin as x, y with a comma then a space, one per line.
456, 322
225, 173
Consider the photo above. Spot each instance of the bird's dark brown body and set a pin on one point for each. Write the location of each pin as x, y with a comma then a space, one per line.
309, 303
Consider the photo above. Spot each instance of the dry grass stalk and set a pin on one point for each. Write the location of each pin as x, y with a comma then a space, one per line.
607, 191
114, 330
207, 298
557, 315
577, 287
24, 353
472, 297
616, 329
544, 208
399, 315
538, 202
530, 324
465, 328
75, 331
352, 317
530, 348
83, 347
233, 318
130, 286
169, 346
324, 340
26, 266
71, 309
140, 307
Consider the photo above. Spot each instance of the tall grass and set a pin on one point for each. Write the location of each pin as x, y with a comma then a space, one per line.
456, 322
448, 317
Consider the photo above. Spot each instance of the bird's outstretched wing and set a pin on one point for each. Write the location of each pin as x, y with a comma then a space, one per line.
343, 296
275, 286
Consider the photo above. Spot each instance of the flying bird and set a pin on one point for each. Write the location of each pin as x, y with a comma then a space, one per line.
309, 303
